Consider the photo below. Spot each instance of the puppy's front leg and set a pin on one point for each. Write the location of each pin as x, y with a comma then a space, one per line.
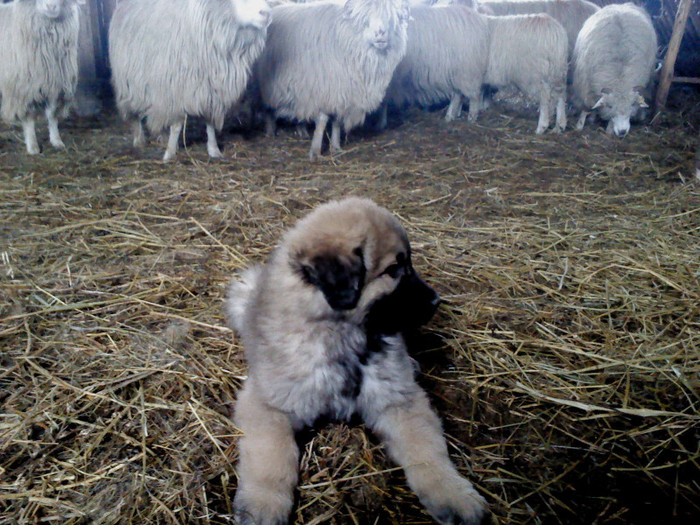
413, 437
268, 459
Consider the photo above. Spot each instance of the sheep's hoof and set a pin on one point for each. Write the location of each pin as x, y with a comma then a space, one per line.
215, 153
33, 149
58, 144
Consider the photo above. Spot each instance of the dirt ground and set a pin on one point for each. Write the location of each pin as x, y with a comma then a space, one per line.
564, 361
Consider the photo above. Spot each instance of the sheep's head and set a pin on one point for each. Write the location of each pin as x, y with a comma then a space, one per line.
617, 106
55, 8
253, 13
378, 20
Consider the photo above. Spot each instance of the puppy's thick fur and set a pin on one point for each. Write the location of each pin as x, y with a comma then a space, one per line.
322, 324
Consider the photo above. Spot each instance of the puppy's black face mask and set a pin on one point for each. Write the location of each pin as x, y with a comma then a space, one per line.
339, 278
412, 304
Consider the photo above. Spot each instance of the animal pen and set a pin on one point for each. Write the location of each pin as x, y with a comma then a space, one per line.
564, 360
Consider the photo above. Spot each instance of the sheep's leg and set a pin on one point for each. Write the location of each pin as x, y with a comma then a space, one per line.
474, 107
582, 120
454, 110
173, 138
270, 125
383, 120
413, 438
212, 146
317, 140
54, 135
543, 122
138, 133
335, 136
29, 128
561, 114
267, 467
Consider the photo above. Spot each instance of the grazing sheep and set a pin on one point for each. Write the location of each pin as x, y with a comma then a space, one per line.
571, 14
445, 59
529, 52
326, 60
38, 64
614, 59
174, 58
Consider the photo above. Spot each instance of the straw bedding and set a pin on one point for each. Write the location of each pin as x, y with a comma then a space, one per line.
564, 361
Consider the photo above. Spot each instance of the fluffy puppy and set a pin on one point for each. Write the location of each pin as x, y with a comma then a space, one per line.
321, 322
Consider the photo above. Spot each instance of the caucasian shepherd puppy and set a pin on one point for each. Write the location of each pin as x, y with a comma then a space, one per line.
322, 324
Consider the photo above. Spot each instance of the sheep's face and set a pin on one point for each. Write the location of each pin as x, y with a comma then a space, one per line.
617, 106
378, 20
254, 13
51, 8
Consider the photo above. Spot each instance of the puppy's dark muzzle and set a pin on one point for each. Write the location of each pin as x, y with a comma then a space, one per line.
412, 304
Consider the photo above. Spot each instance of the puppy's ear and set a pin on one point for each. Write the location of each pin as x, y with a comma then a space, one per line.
412, 304
339, 277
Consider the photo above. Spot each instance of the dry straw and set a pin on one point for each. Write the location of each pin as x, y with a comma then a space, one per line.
564, 361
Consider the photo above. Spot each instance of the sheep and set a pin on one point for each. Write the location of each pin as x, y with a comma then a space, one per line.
326, 60
177, 58
614, 59
530, 53
38, 64
445, 59
571, 14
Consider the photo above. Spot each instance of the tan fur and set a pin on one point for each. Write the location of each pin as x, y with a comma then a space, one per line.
308, 359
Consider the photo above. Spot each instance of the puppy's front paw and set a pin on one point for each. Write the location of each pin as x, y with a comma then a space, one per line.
261, 510
460, 504
244, 517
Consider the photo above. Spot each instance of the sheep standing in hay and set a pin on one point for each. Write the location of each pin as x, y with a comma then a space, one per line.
326, 60
38, 64
174, 58
445, 59
530, 52
571, 14
614, 60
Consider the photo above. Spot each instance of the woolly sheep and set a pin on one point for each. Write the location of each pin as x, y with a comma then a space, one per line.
529, 52
571, 14
174, 58
38, 64
326, 60
614, 59
445, 59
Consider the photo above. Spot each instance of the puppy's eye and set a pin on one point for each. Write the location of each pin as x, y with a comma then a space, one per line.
392, 270
358, 252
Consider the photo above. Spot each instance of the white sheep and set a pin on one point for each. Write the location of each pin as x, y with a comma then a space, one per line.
530, 52
326, 60
446, 59
614, 60
571, 14
38, 64
176, 58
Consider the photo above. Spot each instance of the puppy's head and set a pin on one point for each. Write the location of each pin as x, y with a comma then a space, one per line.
356, 255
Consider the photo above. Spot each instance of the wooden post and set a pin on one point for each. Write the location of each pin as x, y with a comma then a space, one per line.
670, 59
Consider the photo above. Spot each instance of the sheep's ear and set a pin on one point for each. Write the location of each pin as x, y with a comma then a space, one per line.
640, 98
599, 103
